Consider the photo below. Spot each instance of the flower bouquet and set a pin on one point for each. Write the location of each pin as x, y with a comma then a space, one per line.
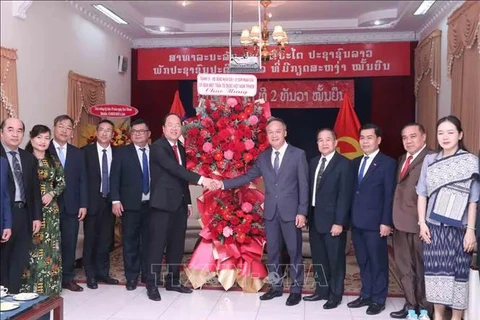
222, 142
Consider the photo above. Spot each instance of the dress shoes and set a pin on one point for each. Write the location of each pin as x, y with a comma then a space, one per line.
400, 314
72, 286
315, 297
270, 294
92, 283
179, 288
375, 308
108, 280
131, 285
153, 294
359, 302
331, 304
293, 299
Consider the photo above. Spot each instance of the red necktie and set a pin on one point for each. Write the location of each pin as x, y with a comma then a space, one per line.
406, 166
175, 150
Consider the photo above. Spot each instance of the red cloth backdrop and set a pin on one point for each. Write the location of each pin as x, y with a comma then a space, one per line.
392, 98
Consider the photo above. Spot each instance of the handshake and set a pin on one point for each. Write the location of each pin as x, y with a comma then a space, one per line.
212, 184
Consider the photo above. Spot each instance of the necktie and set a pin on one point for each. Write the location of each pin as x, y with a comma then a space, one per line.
17, 170
320, 173
276, 162
61, 156
175, 150
362, 169
406, 166
105, 182
146, 175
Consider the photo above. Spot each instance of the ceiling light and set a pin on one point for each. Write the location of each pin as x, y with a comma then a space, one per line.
258, 37
109, 14
162, 29
423, 8
185, 3
377, 22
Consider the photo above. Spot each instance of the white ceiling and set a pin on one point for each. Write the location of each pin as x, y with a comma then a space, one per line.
299, 18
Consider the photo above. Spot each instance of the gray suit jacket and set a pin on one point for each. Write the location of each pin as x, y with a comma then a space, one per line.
286, 193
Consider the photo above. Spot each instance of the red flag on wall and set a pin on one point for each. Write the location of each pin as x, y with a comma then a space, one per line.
347, 128
177, 106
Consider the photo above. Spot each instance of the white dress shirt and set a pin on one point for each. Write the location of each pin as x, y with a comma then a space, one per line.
57, 146
280, 156
369, 161
413, 157
145, 197
328, 159
100, 157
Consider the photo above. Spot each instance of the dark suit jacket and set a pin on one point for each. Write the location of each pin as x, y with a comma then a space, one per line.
30, 181
75, 195
373, 198
94, 175
286, 193
334, 195
405, 215
6, 205
126, 178
169, 180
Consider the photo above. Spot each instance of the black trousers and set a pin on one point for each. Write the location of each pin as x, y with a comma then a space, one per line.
15, 252
98, 229
166, 232
135, 242
329, 263
69, 234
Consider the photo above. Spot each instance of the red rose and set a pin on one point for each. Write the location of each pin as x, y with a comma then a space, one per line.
238, 134
248, 109
215, 115
239, 147
238, 107
262, 137
205, 170
247, 157
228, 240
248, 218
235, 220
242, 116
247, 133
239, 165
237, 156
190, 165
193, 132
218, 155
255, 231
239, 213
241, 238
256, 217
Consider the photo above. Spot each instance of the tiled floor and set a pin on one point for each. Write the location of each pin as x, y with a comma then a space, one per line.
115, 303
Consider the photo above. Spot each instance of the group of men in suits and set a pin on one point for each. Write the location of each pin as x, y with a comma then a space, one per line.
339, 194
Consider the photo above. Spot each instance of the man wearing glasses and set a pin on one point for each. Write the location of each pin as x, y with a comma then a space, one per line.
130, 193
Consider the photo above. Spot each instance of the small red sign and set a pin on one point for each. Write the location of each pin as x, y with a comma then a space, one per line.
112, 111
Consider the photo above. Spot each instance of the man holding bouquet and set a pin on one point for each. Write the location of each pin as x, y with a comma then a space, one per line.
284, 170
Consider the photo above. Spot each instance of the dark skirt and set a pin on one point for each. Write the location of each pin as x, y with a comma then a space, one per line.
447, 267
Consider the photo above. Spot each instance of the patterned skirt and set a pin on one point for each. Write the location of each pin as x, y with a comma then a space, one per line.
447, 267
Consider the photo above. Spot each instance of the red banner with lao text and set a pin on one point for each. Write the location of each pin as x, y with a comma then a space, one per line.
301, 93
298, 61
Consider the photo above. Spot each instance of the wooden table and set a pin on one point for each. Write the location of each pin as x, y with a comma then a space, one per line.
43, 308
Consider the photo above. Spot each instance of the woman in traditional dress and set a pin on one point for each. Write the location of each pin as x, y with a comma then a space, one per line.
447, 219
43, 275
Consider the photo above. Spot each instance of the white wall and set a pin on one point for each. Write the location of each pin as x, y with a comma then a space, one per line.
445, 95
51, 41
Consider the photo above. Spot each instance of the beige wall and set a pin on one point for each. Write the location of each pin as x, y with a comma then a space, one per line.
51, 41
445, 95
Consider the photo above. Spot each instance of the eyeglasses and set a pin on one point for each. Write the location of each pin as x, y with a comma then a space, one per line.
143, 131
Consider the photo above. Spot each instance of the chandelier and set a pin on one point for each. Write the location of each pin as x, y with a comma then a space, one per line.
259, 38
